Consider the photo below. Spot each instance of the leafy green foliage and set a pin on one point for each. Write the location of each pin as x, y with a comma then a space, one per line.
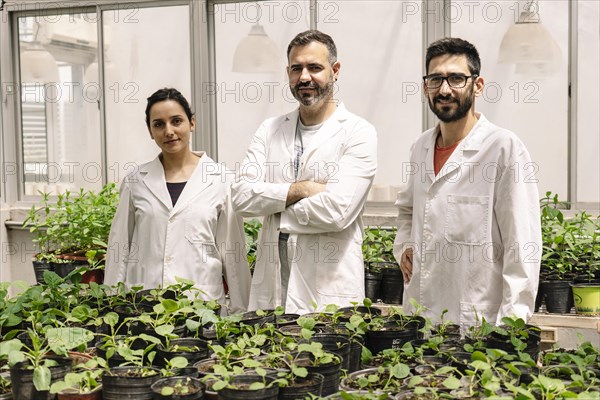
569, 245
74, 222
378, 244
251, 229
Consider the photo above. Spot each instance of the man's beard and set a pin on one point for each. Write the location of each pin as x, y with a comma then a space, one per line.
319, 93
443, 111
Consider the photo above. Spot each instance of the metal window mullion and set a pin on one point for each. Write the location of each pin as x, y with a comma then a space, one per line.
435, 26
207, 76
572, 197
102, 89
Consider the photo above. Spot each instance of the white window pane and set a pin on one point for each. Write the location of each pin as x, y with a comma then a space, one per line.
145, 49
380, 49
588, 99
60, 151
534, 107
245, 99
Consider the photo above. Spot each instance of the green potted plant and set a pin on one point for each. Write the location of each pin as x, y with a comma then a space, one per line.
178, 387
586, 285
32, 367
37, 223
73, 225
377, 248
83, 383
378, 380
558, 238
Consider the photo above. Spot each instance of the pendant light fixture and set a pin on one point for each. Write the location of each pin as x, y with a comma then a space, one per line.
37, 64
529, 45
256, 53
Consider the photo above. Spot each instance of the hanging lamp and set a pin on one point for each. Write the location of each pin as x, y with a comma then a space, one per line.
257, 52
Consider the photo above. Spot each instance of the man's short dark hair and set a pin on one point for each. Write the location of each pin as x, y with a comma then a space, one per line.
307, 37
454, 46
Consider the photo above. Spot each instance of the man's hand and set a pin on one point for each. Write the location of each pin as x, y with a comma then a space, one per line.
301, 190
406, 264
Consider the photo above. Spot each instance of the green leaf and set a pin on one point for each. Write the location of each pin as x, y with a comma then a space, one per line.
41, 377
451, 382
62, 339
170, 305
299, 371
399, 370
178, 362
164, 330
111, 318
256, 386
167, 391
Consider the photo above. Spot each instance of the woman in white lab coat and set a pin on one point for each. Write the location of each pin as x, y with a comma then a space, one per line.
175, 217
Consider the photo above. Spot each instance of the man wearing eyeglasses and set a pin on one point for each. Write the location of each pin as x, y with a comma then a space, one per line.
469, 237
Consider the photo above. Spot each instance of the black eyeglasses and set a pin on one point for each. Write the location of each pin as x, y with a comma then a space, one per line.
454, 81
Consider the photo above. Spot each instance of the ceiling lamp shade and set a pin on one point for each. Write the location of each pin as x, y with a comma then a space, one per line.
529, 42
38, 65
256, 53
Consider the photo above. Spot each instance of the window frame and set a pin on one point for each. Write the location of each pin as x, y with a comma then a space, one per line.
13, 169
202, 64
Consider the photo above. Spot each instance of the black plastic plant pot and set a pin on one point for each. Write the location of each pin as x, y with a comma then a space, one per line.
392, 285
6, 396
337, 344
303, 387
182, 388
239, 389
558, 296
192, 349
252, 318
356, 345
63, 269
129, 383
286, 319
39, 266
22, 379
190, 371
390, 336
331, 375
373, 285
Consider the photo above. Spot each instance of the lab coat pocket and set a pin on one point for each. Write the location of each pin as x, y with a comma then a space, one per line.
200, 224
336, 267
467, 219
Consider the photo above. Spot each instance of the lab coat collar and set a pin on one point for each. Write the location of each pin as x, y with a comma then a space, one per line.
473, 139
330, 127
471, 143
153, 175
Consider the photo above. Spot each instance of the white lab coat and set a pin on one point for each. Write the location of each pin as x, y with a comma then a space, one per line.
326, 230
201, 238
475, 227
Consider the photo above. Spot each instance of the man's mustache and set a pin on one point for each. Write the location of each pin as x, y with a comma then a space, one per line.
306, 85
445, 98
